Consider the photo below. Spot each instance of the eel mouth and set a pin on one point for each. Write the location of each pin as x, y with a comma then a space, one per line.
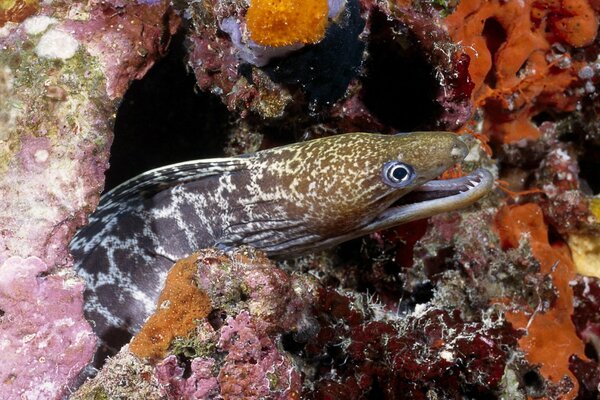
450, 189
431, 198
435, 197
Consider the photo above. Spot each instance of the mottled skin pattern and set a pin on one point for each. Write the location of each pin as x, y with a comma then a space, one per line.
284, 201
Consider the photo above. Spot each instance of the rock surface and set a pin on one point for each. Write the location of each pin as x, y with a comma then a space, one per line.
63, 68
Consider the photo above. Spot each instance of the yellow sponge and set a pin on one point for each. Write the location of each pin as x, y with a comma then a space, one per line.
284, 22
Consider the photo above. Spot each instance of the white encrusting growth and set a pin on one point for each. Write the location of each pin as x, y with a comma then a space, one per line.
37, 24
41, 156
57, 44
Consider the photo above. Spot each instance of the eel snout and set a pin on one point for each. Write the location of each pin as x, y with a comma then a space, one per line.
455, 192
437, 196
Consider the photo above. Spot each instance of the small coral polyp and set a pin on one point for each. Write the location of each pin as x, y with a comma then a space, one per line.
284, 22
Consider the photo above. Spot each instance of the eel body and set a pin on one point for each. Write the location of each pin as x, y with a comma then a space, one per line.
284, 201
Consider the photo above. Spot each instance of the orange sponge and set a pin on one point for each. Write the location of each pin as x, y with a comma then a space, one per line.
16, 10
551, 338
515, 72
285, 22
180, 305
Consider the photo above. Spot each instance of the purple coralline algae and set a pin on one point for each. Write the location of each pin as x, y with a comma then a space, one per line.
252, 367
62, 69
200, 384
44, 340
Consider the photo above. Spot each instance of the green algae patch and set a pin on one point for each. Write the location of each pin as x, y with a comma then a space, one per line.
51, 98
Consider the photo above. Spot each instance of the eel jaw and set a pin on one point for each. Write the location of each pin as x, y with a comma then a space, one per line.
434, 197
431, 198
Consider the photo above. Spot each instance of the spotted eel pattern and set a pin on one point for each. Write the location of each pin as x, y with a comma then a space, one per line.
284, 201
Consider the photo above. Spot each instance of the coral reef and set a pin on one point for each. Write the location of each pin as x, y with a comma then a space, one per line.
234, 351
587, 322
548, 326
60, 78
467, 338
123, 377
499, 301
334, 82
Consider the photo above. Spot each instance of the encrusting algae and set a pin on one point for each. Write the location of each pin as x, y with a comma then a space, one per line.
286, 22
585, 249
181, 303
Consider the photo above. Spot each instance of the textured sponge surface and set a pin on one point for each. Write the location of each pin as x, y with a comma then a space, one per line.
285, 22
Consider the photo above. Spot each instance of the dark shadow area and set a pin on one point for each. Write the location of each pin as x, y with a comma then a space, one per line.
494, 35
534, 383
399, 87
542, 117
376, 391
290, 344
217, 318
325, 70
117, 338
589, 164
591, 352
163, 120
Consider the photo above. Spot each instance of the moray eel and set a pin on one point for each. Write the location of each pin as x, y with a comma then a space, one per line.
285, 201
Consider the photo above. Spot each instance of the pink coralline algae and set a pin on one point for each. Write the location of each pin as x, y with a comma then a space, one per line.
126, 39
254, 303
253, 367
63, 66
200, 384
44, 339
237, 350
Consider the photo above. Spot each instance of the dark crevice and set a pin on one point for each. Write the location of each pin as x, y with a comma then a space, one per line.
534, 383
554, 236
376, 391
290, 343
399, 87
163, 120
589, 164
423, 293
591, 352
216, 319
494, 35
542, 117
117, 337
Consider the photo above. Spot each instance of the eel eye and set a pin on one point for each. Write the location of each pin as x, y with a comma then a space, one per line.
397, 174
